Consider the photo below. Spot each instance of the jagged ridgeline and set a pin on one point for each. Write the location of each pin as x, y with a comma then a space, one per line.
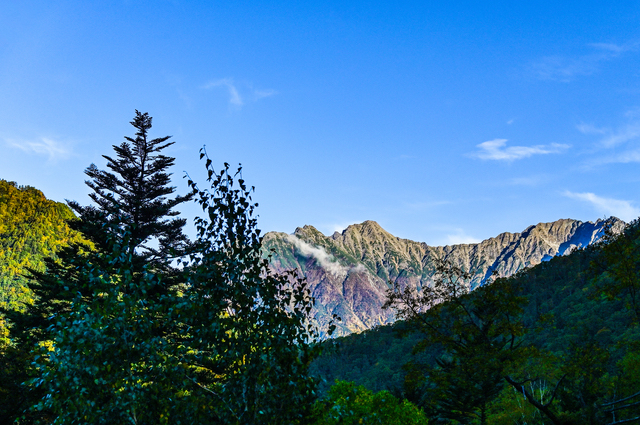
31, 229
349, 272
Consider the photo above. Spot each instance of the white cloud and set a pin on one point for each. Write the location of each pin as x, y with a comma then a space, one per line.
624, 141
460, 237
324, 259
612, 47
590, 129
234, 95
496, 150
55, 150
622, 135
566, 68
360, 268
235, 98
624, 157
259, 94
607, 206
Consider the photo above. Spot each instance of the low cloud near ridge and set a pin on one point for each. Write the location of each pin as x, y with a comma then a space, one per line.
324, 259
497, 150
460, 237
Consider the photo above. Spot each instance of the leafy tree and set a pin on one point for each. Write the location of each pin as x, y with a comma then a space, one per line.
109, 362
32, 228
480, 334
617, 272
621, 260
247, 329
225, 341
350, 404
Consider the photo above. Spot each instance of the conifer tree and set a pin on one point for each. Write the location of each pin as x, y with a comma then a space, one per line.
132, 200
134, 215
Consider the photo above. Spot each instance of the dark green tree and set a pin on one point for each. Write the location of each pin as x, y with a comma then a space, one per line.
112, 360
247, 330
228, 343
132, 200
349, 404
480, 335
620, 260
133, 211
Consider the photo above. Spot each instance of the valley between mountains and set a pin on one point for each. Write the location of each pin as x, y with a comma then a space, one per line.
350, 272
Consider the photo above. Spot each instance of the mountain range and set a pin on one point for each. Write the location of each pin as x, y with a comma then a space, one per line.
350, 272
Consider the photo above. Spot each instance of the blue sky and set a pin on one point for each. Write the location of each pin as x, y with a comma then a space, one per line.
444, 123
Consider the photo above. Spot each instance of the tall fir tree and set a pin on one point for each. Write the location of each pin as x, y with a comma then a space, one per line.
133, 209
130, 200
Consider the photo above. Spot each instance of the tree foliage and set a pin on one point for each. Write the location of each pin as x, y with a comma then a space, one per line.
176, 332
480, 335
350, 404
32, 228
247, 329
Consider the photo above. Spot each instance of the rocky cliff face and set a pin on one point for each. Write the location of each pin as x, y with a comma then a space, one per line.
349, 272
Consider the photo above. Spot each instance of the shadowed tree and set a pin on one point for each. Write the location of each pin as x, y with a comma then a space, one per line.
480, 335
134, 210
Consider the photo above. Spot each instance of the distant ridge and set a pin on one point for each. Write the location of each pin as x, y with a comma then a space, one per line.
349, 272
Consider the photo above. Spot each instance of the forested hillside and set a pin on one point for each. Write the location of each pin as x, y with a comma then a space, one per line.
579, 338
31, 228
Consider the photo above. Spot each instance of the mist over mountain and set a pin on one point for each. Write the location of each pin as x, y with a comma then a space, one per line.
349, 272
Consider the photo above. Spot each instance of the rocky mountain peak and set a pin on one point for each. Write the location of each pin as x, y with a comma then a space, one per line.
350, 272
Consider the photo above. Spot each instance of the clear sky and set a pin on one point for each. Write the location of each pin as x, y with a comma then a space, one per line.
444, 123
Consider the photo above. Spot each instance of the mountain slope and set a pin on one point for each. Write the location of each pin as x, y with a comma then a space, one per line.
31, 228
349, 272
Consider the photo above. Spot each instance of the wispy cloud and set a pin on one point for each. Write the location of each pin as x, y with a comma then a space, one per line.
236, 99
590, 129
612, 47
607, 206
622, 135
566, 68
497, 150
234, 96
260, 94
53, 149
327, 261
624, 141
459, 237
529, 181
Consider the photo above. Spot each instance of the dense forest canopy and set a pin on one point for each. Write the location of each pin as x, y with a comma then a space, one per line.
31, 229
580, 331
